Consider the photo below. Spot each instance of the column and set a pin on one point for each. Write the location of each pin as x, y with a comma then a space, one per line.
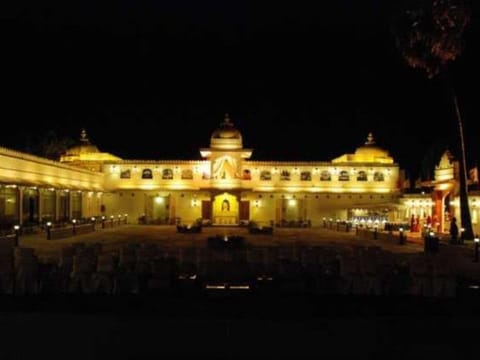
57, 205
20, 204
278, 209
172, 208
70, 205
40, 205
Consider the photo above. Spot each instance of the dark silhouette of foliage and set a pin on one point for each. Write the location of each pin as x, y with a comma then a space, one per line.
429, 33
50, 145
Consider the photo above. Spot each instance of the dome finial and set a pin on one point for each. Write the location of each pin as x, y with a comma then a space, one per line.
227, 123
83, 135
370, 140
226, 120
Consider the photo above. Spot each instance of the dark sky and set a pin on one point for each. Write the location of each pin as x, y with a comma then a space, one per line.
152, 79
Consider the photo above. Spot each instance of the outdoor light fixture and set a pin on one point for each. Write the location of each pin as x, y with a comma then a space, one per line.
74, 221
49, 226
402, 236
476, 242
17, 234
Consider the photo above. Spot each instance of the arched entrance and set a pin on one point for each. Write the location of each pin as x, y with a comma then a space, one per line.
225, 209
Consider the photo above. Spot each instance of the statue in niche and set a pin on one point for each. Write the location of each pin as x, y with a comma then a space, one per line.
225, 205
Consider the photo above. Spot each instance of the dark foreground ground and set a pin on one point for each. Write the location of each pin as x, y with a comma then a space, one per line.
241, 326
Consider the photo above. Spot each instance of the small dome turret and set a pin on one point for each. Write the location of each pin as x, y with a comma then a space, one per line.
368, 153
84, 147
370, 149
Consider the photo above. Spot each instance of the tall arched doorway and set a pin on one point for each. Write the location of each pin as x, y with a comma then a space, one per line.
225, 209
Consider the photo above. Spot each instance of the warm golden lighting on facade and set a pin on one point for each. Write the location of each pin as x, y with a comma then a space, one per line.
226, 187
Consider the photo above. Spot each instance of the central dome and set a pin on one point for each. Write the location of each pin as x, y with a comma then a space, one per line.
226, 137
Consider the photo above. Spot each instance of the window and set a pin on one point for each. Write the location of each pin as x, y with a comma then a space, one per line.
266, 175
147, 174
167, 174
247, 175
325, 176
125, 174
285, 175
305, 176
343, 176
362, 176
187, 174
378, 176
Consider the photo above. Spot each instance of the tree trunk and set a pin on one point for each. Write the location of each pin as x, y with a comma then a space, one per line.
466, 220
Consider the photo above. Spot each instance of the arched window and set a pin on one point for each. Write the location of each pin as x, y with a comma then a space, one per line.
285, 175
147, 174
305, 176
362, 176
247, 174
125, 174
266, 175
167, 174
325, 176
378, 176
187, 174
343, 176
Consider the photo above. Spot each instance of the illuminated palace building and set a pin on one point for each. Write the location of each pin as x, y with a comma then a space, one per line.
225, 188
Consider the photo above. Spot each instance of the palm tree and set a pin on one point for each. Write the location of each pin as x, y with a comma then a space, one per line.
429, 35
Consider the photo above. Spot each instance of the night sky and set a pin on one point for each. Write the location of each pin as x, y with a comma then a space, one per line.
153, 79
